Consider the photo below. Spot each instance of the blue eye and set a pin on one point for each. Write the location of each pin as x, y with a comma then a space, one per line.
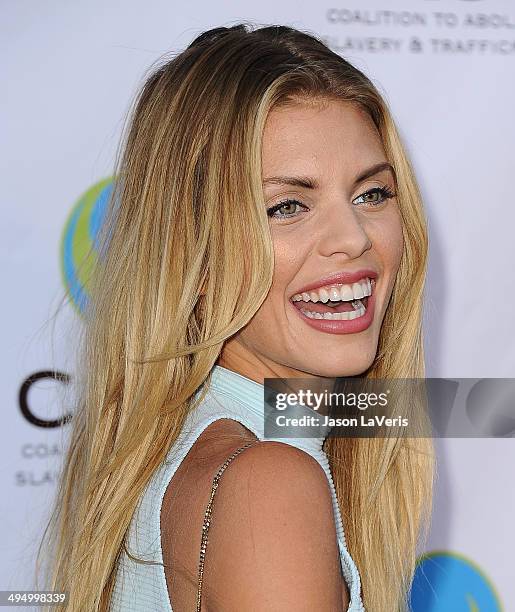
285, 203
384, 192
367, 197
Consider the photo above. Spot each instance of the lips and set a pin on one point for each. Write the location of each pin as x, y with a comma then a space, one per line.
342, 326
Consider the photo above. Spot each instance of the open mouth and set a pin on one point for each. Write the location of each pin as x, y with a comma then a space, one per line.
337, 301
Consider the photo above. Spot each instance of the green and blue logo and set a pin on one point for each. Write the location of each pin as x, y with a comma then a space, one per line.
449, 582
79, 242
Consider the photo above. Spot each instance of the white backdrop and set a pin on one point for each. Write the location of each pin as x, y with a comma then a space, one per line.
447, 70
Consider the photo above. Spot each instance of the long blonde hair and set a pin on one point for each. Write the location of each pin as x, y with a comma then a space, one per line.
187, 203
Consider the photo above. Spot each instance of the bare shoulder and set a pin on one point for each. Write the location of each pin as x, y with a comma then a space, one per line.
272, 538
267, 466
184, 503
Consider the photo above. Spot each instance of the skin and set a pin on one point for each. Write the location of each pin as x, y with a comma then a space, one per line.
331, 229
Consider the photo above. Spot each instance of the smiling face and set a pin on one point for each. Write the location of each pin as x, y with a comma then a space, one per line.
326, 218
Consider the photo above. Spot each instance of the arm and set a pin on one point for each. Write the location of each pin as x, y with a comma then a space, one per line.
272, 538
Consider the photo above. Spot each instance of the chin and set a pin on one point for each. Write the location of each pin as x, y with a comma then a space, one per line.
338, 369
347, 365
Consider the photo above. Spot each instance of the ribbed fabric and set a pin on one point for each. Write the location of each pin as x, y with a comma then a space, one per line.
142, 587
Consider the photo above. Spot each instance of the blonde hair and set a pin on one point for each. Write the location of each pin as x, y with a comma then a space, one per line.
187, 202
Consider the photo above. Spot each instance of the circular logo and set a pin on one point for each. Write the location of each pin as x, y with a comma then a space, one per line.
449, 582
79, 248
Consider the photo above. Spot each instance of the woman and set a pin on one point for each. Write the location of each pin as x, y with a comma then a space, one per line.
259, 169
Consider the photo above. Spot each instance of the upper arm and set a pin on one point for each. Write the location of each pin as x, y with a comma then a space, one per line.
272, 541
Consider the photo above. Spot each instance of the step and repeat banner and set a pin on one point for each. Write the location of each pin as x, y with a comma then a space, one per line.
447, 70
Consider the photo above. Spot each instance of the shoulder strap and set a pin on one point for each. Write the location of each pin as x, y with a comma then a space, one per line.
207, 520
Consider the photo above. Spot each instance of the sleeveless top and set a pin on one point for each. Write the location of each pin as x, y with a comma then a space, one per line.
142, 587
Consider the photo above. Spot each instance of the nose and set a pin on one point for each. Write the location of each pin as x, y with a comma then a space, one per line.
343, 230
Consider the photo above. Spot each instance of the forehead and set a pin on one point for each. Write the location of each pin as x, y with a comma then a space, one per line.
333, 137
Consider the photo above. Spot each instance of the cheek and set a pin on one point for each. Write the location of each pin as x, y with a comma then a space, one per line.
389, 242
289, 256
397, 240
267, 328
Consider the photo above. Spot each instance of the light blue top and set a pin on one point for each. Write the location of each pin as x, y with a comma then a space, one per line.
142, 587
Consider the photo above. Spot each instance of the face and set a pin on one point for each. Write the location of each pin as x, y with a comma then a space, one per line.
330, 198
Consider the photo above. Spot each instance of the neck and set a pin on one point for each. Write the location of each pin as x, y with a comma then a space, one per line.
236, 356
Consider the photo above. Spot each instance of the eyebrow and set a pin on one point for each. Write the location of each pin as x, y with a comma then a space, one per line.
309, 183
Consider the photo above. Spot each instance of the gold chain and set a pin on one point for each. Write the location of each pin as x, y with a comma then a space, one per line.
207, 521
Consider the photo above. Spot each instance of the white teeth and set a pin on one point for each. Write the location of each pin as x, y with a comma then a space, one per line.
324, 295
334, 294
336, 316
357, 289
337, 292
346, 293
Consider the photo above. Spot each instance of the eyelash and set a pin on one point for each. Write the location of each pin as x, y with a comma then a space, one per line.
385, 192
